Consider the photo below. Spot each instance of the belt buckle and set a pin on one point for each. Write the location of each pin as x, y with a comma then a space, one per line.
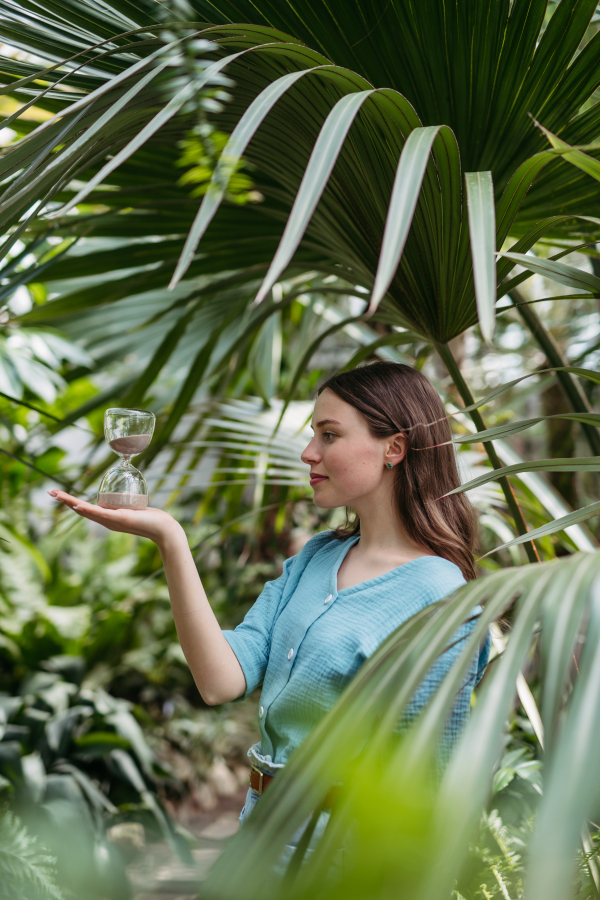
261, 778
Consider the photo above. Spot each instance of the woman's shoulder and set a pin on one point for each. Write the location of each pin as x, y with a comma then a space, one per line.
318, 542
437, 574
313, 546
295, 566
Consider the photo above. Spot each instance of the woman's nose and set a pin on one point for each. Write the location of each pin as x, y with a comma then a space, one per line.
310, 454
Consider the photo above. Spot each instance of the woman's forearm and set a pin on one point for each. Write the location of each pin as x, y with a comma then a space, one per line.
214, 665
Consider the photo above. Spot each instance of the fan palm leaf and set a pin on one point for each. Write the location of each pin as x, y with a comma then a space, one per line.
367, 179
375, 176
433, 288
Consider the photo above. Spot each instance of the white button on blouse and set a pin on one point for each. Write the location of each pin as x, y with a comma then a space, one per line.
261, 712
330, 597
291, 653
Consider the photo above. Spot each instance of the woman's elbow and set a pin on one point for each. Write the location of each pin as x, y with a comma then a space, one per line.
211, 699
214, 697
215, 691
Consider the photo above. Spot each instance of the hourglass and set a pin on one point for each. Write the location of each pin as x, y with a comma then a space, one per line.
128, 432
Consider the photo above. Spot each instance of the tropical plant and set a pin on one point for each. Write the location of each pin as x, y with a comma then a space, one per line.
355, 126
88, 741
27, 871
373, 175
401, 832
74, 761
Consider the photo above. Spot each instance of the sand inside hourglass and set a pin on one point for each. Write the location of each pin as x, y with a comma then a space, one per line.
123, 501
130, 445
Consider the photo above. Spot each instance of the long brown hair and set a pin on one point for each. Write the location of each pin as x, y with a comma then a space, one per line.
393, 397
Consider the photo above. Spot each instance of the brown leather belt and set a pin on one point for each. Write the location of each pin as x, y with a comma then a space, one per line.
259, 782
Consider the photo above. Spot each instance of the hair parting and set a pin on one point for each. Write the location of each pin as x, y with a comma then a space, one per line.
393, 398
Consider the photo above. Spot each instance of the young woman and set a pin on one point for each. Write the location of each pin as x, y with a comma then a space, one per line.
380, 450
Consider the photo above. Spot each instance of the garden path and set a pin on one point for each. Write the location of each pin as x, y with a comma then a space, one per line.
160, 875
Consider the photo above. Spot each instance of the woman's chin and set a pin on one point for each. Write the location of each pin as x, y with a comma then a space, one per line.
321, 500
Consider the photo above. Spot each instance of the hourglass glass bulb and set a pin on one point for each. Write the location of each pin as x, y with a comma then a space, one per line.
128, 432
130, 445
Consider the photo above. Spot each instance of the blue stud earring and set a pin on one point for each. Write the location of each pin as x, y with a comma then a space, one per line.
389, 465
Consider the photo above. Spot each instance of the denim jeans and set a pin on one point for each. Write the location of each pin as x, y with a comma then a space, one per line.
252, 797
264, 764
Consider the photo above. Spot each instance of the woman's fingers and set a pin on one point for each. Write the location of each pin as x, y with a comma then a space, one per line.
111, 518
75, 503
149, 523
63, 497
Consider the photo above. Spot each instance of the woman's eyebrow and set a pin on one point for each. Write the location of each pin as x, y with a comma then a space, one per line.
328, 422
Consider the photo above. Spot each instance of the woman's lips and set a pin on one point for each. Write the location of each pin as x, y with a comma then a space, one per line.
317, 479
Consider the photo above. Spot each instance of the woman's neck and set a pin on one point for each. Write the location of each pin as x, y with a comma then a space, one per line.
382, 534
383, 545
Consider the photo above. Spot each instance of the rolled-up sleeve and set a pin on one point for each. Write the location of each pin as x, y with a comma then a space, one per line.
251, 640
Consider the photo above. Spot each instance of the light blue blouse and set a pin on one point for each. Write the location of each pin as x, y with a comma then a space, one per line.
303, 640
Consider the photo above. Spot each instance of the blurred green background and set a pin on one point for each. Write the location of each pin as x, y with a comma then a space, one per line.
109, 759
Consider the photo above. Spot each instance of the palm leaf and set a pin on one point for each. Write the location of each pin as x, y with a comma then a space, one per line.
431, 290
509, 428
365, 718
574, 518
319, 168
569, 275
582, 464
482, 230
457, 306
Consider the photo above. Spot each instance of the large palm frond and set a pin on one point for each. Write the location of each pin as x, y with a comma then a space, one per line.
401, 833
376, 196
291, 101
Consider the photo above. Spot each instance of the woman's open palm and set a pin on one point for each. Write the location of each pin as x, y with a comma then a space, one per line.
151, 523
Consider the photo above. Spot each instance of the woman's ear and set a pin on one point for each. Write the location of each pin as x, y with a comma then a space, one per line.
395, 450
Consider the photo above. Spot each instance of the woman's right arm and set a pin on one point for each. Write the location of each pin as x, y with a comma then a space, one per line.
214, 665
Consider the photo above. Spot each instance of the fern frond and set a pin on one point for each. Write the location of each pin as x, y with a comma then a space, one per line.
26, 871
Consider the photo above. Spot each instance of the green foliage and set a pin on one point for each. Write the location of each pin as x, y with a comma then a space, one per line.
81, 630
495, 869
363, 168
389, 797
368, 180
26, 870
356, 123
200, 156
75, 758
100, 722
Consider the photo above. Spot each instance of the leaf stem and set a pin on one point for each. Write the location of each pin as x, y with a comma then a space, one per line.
570, 385
467, 398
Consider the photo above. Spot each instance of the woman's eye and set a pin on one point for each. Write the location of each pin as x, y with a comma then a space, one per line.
328, 435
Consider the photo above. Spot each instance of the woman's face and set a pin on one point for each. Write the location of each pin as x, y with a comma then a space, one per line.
347, 464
